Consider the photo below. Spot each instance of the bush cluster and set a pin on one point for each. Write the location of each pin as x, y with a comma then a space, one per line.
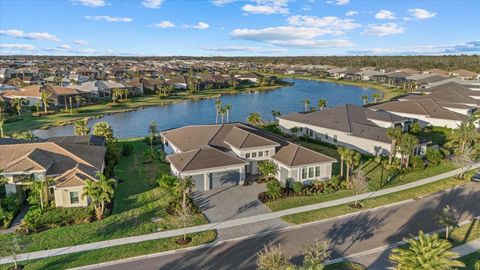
39, 220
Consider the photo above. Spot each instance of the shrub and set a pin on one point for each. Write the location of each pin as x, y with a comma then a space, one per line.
274, 189
11, 203
434, 156
297, 187
318, 186
335, 182
127, 149
166, 181
417, 163
37, 220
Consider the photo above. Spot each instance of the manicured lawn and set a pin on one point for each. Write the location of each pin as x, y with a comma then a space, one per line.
470, 260
114, 253
60, 119
345, 266
465, 233
137, 203
373, 202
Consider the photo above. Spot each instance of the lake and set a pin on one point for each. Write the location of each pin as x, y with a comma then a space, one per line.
285, 100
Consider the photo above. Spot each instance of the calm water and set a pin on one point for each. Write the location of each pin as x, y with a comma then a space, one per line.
285, 100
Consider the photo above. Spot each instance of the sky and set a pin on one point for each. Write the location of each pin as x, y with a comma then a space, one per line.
239, 28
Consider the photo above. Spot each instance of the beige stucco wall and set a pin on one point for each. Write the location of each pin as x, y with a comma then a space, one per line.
62, 197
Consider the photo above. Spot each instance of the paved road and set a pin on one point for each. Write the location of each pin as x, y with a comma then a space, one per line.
349, 235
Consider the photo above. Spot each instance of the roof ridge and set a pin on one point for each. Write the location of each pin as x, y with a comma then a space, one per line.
196, 154
348, 118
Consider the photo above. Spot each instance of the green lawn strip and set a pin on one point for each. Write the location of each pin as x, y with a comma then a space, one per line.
137, 202
465, 233
470, 260
373, 202
97, 110
345, 266
114, 253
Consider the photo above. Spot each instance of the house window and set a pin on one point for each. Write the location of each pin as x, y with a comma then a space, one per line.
334, 138
254, 154
247, 155
260, 154
317, 171
304, 173
74, 199
52, 190
266, 153
310, 172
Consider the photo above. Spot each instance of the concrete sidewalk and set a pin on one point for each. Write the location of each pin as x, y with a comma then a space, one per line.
229, 223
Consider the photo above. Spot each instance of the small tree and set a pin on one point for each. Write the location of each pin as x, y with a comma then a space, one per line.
274, 189
477, 265
415, 128
447, 218
267, 168
166, 181
152, 131
183, 187
81, 128
463, 159
105, 130
271, 257
294, 132
10, 248
359, 183
315, 254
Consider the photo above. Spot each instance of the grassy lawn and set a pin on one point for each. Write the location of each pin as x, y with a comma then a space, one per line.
376, 174
373, 202
465, 233
137, 202
345, 266
113, 253
470, 260
60, 119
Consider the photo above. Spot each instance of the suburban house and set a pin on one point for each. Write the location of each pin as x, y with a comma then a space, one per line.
348, 125
70, 161
227, 154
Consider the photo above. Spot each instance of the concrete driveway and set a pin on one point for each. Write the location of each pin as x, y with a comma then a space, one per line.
234, 202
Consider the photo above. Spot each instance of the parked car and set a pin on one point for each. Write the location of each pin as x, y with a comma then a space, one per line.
476, 177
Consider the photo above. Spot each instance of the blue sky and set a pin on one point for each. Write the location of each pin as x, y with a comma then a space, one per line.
234, 27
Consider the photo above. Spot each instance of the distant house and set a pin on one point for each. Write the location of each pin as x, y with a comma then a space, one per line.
180, 82
423, 80
465, 74
225, 154
70, 161
134, 86
348, 125
252, 77
33, 93
105, 88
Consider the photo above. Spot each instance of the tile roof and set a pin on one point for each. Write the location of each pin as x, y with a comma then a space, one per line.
294, 155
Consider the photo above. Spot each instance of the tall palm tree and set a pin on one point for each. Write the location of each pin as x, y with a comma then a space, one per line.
70, 101
46, 99
464, 135
322, 103
228, 107
218, 106
428, 252
99, 192
306, 103
352, 159
223, 111
365, 99
18, 104
79, 100
81, 128
255, 119
376, 97
342, 151
394, 133
2, 122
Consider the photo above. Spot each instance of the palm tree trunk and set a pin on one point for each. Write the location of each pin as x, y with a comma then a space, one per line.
348, 171
392, 152
228, 115
216, 117
341, 166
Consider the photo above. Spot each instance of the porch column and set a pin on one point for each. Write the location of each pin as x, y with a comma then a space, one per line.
242, 175
206, 181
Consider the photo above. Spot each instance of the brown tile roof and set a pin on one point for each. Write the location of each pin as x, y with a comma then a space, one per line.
203, 158
75, 177
58, 90
29, 91
241, 139
295, 155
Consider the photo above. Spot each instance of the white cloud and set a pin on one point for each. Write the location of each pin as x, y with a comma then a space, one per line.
333, 24
109, 18
383, 29
199, 25
421, 14
164, 24
338, 2
385, 15
314, 44
240, 48
307, 8
264, 9
90, 3
20, 47
351, 13
32, 35
152, 3
81, 42
222, 2
64, 47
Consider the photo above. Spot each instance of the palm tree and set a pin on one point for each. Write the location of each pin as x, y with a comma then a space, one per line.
70, 102
342, 151
376, 97
99, 192
79, 100
218, 106
267, 168
428, 252
407, 144
223, 111
2, 122
365, 99
18, 103
46, 99
352, 159
255, 119
81, 128
322, 103
464, 135
394, 133
276, 114
306, 103
228, 107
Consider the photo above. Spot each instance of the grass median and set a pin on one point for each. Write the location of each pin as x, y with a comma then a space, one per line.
339, 210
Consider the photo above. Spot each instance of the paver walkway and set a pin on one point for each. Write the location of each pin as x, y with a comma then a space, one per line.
229, 223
